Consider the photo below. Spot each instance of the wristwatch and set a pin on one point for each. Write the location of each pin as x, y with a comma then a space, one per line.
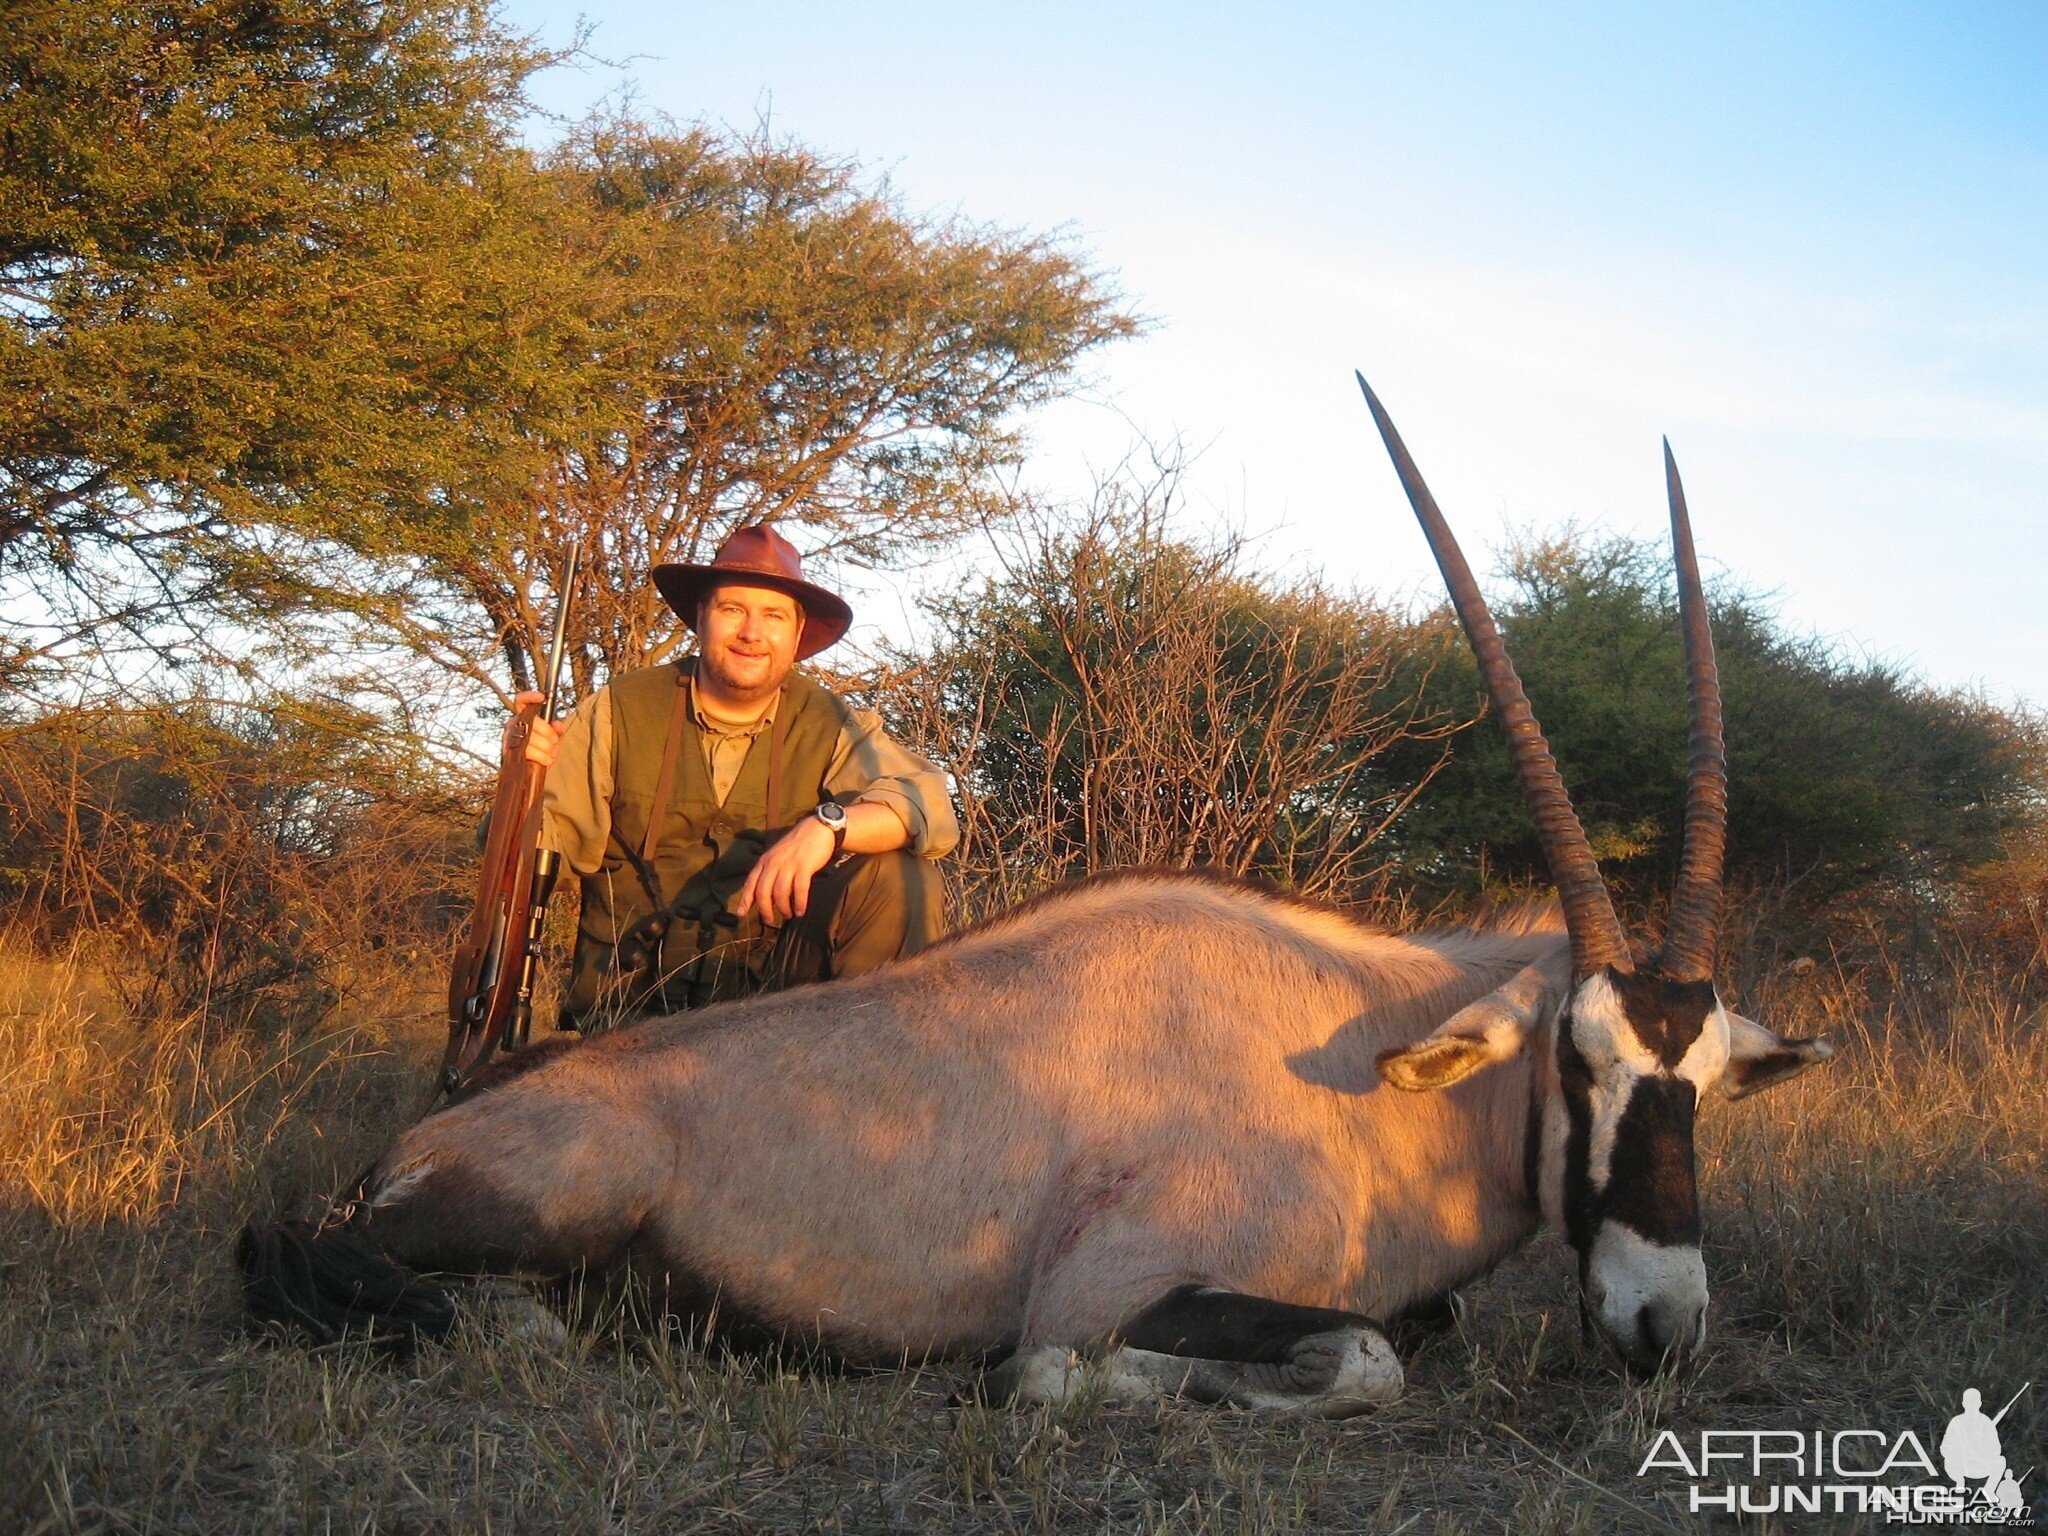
833, 815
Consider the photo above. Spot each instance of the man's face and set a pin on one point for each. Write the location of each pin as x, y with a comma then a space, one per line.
747, 639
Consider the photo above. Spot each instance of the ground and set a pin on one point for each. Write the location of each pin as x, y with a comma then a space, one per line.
1877, 1241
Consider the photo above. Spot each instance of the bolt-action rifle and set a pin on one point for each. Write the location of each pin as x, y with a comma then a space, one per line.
490, 987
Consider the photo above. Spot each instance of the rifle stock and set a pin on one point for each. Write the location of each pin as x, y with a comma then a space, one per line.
490, 983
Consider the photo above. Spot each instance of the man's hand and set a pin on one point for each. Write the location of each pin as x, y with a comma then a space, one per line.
545, 737
780, 883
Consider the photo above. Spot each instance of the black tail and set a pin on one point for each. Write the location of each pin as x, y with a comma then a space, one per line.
334, 1284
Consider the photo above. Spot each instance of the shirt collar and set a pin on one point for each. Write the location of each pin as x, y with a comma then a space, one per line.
726, 727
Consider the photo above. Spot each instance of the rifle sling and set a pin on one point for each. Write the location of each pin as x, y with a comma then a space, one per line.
776, 733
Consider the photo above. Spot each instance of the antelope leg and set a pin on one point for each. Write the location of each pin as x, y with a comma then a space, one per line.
1211, 1323
1218, 1346
1330, 1375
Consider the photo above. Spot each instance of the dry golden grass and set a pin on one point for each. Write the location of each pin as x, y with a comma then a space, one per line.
1878, 1239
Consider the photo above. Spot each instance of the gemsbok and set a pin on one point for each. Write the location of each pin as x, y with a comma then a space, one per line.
1158, 1131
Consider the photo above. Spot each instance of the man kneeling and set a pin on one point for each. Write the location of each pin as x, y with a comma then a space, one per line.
736, 826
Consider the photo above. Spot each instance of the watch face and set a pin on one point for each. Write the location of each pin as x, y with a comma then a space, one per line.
832, 814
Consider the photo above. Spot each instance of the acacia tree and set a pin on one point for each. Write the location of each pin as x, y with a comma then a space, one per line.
776, 338
269, 273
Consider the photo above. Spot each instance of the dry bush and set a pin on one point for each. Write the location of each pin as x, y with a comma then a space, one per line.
1898, 1201
2005, 903
109, 1122
1118, 696
230, 861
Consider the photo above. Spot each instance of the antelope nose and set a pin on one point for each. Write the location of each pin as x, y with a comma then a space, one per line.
1667, 1330
1650, 1297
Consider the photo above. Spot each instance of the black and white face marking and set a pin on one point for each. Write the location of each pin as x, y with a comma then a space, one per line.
1634, 1052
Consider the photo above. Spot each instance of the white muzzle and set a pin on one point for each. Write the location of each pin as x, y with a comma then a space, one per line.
1650, 1299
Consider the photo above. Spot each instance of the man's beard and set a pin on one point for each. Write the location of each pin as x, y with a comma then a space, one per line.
735, 690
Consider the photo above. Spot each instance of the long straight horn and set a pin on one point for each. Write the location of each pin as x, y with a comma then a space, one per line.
1596, 937
1694, 930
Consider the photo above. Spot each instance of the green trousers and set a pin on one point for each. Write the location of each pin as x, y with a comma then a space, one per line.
865, 909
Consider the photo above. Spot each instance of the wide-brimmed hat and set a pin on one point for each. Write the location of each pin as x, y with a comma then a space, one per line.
758, 557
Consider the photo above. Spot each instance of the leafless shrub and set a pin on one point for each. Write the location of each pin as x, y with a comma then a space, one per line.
236, 862
1118, 696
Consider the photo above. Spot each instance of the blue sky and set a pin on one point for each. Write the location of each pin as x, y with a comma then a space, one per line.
1804, 240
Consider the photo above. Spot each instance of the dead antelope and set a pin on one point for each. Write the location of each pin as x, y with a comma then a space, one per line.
1167, 1132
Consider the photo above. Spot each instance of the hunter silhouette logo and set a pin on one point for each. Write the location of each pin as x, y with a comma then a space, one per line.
1970, 1453
1872, 1472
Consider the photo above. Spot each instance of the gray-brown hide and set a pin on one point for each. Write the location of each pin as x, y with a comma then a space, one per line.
1021, 1136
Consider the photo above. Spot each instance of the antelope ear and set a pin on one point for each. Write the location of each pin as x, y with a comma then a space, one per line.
1758, 1059
1493, 1029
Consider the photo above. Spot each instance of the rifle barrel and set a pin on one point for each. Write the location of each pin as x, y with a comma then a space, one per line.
2008, 1407
561, 628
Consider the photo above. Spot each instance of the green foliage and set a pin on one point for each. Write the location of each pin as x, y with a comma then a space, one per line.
779, 339
292, 325
266, 264
301, 347
1840, 769
309, 362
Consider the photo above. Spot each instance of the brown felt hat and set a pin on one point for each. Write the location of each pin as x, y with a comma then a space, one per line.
758, 557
